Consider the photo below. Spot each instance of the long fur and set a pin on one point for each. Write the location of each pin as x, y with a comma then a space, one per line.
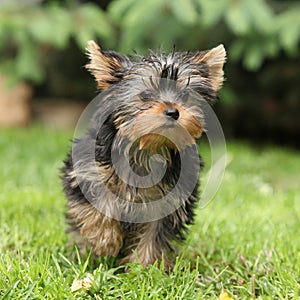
140, 91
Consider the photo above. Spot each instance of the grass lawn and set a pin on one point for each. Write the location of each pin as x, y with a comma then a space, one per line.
246, 242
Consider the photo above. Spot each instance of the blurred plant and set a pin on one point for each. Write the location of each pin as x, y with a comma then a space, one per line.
27, 32
251, 30
254, 29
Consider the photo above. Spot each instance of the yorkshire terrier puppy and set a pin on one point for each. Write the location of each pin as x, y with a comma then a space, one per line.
132, 179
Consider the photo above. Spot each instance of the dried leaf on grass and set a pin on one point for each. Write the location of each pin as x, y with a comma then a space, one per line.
82, 284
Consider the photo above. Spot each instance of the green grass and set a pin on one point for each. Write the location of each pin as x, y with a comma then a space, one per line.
245, 242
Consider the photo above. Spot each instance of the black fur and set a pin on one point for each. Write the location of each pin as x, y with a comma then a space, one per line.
131, 92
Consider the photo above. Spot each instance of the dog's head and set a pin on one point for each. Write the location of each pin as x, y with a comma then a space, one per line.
158, 99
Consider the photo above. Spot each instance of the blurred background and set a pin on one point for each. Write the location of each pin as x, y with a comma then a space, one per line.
42, 57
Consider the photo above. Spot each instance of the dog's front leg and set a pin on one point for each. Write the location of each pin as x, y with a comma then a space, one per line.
102, 234
152, 244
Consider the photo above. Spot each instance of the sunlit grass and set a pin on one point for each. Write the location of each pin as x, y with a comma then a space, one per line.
245, 242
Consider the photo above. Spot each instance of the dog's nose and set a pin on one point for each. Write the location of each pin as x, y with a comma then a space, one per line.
172, 113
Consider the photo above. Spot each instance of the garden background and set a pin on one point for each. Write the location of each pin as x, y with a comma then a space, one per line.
245, 242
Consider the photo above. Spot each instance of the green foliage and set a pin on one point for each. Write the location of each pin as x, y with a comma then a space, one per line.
288, 28
27, 32
251, 30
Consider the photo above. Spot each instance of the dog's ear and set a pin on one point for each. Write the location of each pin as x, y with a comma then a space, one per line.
106, 66
214, 59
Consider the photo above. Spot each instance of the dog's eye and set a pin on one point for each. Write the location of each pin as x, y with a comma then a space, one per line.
146, 95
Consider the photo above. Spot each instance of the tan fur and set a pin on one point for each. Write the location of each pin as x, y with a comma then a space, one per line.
88, 173
102, 234
145, 248
101, 66
214, 59
186, 120
142, 129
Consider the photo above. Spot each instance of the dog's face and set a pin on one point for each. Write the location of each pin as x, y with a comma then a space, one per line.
158, 99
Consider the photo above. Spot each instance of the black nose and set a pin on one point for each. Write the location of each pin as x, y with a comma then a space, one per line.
172, 113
